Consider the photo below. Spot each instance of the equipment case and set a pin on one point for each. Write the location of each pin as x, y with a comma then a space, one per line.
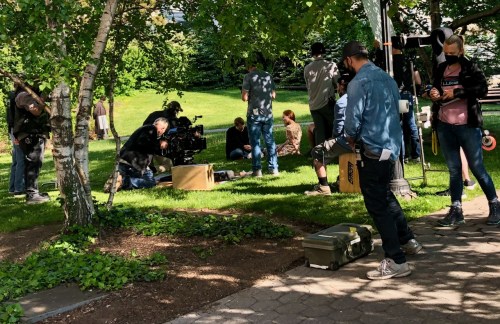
337, 245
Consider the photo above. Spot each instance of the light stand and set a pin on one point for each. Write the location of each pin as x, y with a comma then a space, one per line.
399, 185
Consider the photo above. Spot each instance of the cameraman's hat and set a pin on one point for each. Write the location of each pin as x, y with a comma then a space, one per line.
353, 48
175, 105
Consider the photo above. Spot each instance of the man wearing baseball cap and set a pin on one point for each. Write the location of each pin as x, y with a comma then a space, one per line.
372, 126
31, 129
333, 147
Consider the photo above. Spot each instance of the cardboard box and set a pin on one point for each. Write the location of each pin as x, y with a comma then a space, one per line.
193, 177
348, 173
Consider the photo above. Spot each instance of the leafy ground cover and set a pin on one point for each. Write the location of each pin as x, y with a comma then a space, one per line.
75, 257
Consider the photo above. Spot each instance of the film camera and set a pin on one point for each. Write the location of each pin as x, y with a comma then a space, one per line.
184, 141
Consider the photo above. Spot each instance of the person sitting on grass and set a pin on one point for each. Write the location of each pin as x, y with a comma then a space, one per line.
237, 141
325, 152
293, 135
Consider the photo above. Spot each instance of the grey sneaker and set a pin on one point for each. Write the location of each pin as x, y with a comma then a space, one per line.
411, 247
274, 172
494, 216
319, 190
389, 269
36, 198
257, 173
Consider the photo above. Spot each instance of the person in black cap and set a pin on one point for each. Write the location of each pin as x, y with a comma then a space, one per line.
321, 76
170, 113
372, 127
31, 129
331, 148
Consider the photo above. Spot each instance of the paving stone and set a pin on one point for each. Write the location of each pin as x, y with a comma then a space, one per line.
266, 305
347, 302
318, 300
241, 302
346, 315
264, 317
291, 308
289, 319
291, 298
376, 318
266, 294
317, 311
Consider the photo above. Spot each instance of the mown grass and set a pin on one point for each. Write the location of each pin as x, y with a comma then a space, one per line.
280, 197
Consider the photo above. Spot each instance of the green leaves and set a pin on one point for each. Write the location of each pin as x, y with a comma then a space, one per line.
229, 229
69, 260
10, 313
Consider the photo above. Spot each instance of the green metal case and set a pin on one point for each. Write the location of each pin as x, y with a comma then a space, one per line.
337, 245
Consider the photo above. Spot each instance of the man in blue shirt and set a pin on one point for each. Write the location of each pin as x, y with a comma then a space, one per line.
372, 122
259, 90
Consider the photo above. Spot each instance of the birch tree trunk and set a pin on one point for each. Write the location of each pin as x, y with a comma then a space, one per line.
112, 83
71, 153
85, 94
77, 209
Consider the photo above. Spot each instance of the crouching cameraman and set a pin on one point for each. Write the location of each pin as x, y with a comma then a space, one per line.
137, 153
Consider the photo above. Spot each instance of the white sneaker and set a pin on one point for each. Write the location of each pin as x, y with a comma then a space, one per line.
389, 269
411, 247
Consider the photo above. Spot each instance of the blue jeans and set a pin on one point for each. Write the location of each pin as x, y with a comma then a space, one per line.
383, 207
238, 154
132, 179
410, 130
451, 138
16, 181
257, 126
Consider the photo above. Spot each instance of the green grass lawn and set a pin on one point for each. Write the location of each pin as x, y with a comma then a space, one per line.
280, 197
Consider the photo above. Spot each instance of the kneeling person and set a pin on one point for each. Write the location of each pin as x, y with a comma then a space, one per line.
325, 152
137, 153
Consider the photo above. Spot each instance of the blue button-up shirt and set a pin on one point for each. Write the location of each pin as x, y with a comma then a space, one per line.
372, 114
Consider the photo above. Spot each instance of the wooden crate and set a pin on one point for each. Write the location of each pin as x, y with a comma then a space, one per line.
348, 173
193, 177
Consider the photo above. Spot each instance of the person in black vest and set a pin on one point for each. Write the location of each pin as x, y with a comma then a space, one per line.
237, 141
137, 153
16, 181
31, 129
403, 77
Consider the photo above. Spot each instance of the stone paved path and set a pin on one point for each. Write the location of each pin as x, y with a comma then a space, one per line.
455, 279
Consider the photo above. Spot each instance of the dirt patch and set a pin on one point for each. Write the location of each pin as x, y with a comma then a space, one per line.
200, 271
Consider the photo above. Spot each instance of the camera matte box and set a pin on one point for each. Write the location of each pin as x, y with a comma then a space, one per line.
193, 177
337, 245
348, 173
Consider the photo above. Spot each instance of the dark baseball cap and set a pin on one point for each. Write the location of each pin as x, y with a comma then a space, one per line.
174, 105
352, 48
